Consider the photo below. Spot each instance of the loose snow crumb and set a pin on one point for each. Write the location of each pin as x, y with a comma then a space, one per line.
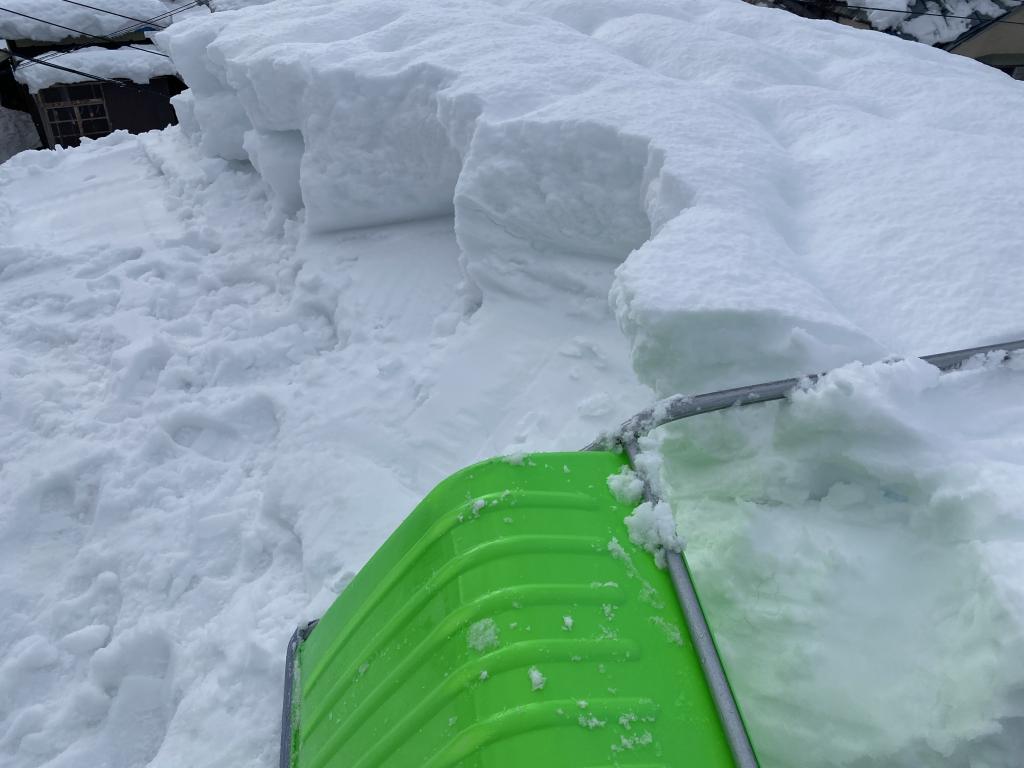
590, 721
653, 527
452, 720
484, 674
537, 680
582, 703
626, 486
609, 611
565, 468
631, 742
627, 719
671, 630
617, 551
483, 635
567, 622
477, 506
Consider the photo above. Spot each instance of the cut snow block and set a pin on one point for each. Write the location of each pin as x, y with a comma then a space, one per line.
509, 621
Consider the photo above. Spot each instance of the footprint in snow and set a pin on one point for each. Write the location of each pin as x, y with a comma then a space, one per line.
225, 437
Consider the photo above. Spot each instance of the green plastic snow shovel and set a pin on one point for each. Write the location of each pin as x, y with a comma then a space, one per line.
509, 621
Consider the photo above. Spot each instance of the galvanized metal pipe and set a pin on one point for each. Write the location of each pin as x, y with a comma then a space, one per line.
679, 407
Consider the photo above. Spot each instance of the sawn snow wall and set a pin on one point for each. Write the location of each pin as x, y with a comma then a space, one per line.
746, 164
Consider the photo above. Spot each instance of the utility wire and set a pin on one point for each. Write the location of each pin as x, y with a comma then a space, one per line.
187, 7
921, 13
89, 75
123, 30
104, 10
79, 32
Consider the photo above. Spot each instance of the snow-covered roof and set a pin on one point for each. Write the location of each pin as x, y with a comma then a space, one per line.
234, 5
85, 21
914, 19
139, 64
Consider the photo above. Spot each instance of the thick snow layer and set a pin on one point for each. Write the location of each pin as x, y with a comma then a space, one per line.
809, 212
139, 64
859, 551
17, 132
75, 20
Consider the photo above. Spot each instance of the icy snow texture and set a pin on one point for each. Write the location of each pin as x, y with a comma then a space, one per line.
777, 223
139, 64
17, 132
86, 21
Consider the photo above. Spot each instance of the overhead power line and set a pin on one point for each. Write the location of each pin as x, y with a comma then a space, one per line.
89, 75
110, 13
166, 14
79, 32
123, 30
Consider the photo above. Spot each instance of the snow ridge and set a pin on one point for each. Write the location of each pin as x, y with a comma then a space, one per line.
769, 200
138, 64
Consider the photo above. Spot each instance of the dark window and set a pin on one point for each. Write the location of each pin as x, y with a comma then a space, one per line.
74, 111
95, 127
62, 113
84, 92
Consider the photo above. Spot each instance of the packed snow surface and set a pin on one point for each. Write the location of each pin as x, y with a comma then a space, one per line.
56, 20
210, 420
381, 245
140, 64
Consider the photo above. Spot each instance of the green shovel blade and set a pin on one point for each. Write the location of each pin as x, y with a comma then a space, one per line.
509, 621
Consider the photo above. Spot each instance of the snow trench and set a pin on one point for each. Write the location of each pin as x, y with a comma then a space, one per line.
746, 201
401, 116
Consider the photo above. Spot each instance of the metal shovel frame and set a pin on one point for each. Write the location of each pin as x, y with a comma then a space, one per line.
627, 438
